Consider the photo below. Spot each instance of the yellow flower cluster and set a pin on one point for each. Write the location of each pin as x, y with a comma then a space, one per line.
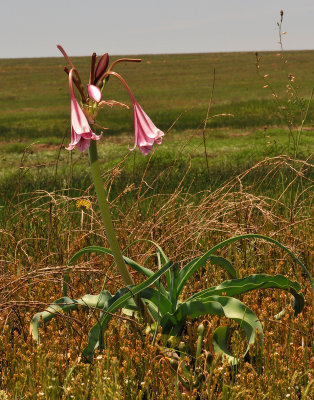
83, 204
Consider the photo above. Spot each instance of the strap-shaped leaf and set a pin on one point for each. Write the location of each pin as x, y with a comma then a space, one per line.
99, 249
101, 325
66, 304
215, 305
157, 299
173, 290
253, 282
220, 344
187, 272
162, 253
214, 260
129, 308
163, 256
223, 262
157, 303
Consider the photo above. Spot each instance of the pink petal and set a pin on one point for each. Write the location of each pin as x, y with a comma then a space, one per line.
94, 93
81, 133
78, 120
70, 147
146, 123
146, 133
83, 144
145, 149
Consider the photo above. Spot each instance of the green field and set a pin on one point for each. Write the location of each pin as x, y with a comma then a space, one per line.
175, 91
246, 169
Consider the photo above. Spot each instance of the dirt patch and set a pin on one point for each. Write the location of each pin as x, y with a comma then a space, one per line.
45, 146
238, 134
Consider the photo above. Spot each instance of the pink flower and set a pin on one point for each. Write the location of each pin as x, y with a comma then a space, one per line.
81, 133
146, 133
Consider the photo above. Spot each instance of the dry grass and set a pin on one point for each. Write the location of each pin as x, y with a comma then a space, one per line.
43, 230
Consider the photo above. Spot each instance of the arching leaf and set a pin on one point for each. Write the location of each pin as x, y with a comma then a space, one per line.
99, 249
229, 307
101, 325
220, 344
253, 282
163, 256
187, 272
66, 304
223, 262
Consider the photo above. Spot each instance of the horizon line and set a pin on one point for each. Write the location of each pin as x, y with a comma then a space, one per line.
165, 54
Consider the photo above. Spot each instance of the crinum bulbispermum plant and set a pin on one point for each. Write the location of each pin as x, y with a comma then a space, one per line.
84, 115
166, 304
163, 300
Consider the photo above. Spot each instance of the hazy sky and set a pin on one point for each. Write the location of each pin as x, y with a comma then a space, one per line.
32, 28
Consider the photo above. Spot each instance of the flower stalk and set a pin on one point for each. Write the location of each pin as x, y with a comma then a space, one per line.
111, 236
105, 213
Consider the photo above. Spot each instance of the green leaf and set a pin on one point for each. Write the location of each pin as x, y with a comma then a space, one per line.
66, 304
157, 299
223, 262
214, 260
253, 282
229, 307
186, 272
151, 299
173, 290
220, 343
164, 258
99, 249
119, 301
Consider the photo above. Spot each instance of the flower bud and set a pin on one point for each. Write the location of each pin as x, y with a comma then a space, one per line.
94, 93
200, 330
101, 66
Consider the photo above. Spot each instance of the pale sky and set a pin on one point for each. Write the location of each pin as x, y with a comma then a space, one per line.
33, 28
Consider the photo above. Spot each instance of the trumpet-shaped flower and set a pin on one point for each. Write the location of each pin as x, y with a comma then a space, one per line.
146, 133
81, 133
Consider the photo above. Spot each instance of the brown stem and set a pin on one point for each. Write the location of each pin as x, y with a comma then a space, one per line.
77, 84
205, 122
122, 81
65, 55
114, 63
92, 70
123, 59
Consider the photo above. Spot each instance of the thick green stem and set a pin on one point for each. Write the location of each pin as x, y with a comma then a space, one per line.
111, 236
105, 213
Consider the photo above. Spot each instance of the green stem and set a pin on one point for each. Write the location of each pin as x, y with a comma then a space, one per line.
111, 236
105, 213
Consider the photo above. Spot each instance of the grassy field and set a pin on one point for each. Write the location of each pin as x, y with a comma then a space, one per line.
255, 177
175, 91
